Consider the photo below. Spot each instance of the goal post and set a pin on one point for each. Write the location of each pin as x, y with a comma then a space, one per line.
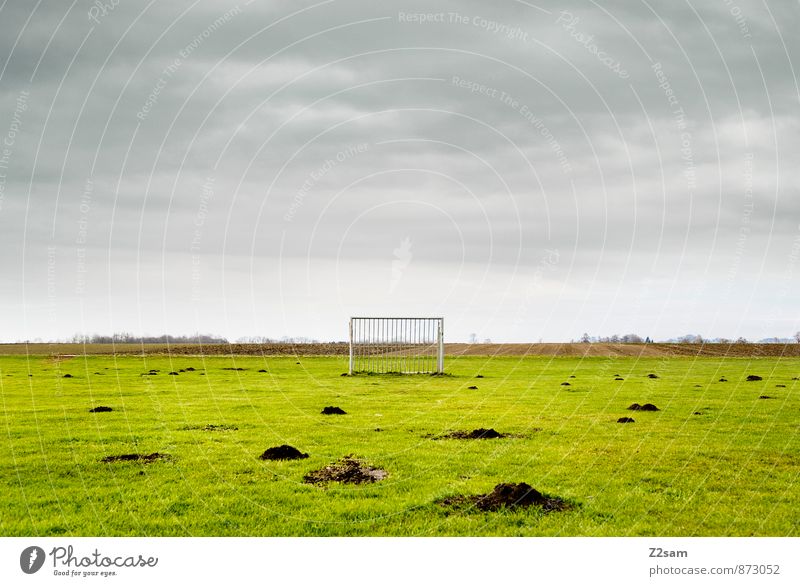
396, 345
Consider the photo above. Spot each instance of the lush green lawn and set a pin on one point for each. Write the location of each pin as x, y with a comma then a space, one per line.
732, 470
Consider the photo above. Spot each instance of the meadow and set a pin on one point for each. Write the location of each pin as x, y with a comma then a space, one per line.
715, 460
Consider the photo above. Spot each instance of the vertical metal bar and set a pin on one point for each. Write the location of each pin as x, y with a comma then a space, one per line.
421, 350
400, 345
405, 345
429, 342
350, 362
429, 346
411, 345
424, 350
407, 337
412, 324
440, 365
416, 350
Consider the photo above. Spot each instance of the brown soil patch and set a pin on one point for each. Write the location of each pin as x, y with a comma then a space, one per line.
283, 452
766, 397
232, 368
645, 407
753, 377
565, 384
333, 411
67, 376
651, 375
100, 409
626, 420
472, 388
479, 433
508, 496
137, 457
347, 470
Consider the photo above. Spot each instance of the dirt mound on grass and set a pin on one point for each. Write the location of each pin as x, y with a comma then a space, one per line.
753, 377
651, 375
283, 452
509, 496
765, 397
479, 433
67, 376
626, 420
333, 411
137, 457
100, 409
347, 470
645, 407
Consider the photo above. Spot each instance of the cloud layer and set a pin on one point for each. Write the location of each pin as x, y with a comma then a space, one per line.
528, 170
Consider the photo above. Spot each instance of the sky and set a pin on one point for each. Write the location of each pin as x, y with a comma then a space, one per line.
527, 170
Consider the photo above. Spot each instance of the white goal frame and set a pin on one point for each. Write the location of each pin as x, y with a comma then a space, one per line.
396, 345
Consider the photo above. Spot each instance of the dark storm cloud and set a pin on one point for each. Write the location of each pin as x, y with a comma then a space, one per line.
201, 140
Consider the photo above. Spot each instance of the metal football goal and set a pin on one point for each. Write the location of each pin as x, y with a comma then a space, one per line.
403, 345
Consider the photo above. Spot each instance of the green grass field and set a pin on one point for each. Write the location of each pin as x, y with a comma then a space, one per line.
716, 460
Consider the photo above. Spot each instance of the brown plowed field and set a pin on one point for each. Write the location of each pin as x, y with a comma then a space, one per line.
341, 348
651, 350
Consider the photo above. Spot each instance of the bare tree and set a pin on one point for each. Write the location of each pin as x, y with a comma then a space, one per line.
797, 337
585, 338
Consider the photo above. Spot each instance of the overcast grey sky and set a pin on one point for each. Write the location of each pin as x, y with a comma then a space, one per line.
528, 170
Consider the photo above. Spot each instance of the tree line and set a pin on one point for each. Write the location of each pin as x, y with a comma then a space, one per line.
687, 339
